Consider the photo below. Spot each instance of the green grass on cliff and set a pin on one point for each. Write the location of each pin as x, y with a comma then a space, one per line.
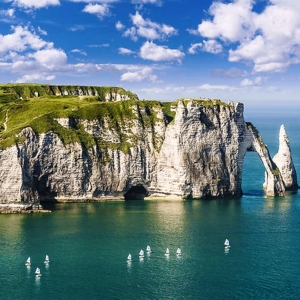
20, 108
40, 113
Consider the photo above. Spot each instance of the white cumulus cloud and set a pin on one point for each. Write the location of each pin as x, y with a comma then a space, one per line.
119, 26
194, 48
35, 4
147, 29
50, 57
151, 51
210, 46
25, 53
269, 39
21, 39
139, 75
100, 10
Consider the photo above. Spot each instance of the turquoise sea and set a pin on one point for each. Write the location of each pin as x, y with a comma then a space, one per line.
88, 243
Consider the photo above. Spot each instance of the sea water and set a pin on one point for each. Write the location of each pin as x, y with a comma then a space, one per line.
88, 244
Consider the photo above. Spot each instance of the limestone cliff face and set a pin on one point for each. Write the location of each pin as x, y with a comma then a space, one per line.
199, 154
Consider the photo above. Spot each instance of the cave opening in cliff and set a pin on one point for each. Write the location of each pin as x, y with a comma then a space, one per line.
137, 192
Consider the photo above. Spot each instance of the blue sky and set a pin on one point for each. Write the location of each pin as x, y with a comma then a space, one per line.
242, 50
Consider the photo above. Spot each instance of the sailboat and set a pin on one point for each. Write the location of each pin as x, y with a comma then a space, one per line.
178, 251
226, 243
28, 262
167, 252
38, 272
47, 259
129, 257
141, 254
148, 249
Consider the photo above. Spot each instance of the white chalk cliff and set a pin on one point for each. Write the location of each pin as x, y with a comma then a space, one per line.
198, 154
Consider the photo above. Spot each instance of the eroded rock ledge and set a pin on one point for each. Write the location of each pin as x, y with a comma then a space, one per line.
197, 154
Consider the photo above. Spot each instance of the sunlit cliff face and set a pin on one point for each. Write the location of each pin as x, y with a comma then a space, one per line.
197, 154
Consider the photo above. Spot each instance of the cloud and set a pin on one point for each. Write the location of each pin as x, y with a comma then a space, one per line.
35, 4
34, 78
269, 39
95, 1
231, 22
131, 32
41, 31
146, 1
230, 73
208, 87
151, 51
148, 29
119, 26
8, 13
24, 52
193, 48
100, 10
254, 82
77, 28
140, 75
99, 46
210, 46
49, 58
125, 51
193, 31
22, 38
79, 51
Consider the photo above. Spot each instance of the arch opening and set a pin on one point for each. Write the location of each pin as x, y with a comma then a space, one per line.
253, 174
136, 192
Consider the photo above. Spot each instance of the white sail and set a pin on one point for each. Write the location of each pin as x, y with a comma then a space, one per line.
167, 251
178, 252
148, 249
28, 262
47, 259
141, 254
226, 243
129, 257
38, 272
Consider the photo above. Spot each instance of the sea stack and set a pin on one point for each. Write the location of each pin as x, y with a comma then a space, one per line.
283, 160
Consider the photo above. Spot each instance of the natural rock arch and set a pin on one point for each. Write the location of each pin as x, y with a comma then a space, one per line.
277, 178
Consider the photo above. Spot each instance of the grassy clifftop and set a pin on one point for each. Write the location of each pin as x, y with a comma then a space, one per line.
9, 92
39, 107
21, 107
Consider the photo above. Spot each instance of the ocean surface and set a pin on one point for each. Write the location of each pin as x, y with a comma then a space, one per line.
88, 244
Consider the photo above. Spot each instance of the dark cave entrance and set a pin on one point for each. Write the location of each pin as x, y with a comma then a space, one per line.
137, 192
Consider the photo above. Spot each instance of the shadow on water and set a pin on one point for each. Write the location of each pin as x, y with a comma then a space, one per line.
254, 193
